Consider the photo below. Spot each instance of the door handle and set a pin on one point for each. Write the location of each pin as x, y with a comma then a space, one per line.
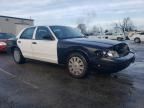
19, 41
34, 43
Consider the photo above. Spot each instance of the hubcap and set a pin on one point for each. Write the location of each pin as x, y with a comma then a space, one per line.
16, 55
76, 65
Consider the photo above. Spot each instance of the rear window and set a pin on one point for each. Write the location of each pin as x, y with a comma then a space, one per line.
6, 36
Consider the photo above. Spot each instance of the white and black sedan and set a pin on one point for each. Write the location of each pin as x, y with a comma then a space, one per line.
68, 46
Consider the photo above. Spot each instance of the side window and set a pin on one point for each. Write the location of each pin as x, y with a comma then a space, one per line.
43, 33
28, 33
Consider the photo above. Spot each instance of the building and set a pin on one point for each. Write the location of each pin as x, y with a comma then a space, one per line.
13, 24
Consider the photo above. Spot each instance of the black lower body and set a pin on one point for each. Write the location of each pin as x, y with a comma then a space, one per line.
108, 65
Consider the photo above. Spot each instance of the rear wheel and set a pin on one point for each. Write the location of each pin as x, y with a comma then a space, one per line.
119, 39
77, 65
137, 40
18, 57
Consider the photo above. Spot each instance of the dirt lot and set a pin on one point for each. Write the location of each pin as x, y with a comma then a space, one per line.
43, 85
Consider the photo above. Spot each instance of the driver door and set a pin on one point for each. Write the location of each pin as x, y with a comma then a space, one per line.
44, 45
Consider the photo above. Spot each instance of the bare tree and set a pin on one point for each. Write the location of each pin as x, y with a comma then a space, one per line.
95, 29
127, 25
83, 21
83, 28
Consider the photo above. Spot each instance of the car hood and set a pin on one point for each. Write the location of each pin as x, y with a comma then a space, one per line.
104, 43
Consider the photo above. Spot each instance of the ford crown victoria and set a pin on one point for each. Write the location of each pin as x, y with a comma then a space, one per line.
68, 46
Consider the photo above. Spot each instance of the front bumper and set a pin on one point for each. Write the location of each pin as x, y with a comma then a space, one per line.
112, 65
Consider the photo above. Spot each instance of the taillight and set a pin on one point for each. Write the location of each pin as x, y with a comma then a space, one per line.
3, 44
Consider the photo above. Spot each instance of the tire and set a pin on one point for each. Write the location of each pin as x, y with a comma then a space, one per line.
18, 57
119, 39
77, 65
137, 40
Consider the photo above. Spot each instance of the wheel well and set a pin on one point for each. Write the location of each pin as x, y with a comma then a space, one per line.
12, 49
79, 52
136, 38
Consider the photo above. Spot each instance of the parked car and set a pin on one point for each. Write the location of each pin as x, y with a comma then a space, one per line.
3, 40
111, 36
115, 36
68, 46
96, 37
137, 37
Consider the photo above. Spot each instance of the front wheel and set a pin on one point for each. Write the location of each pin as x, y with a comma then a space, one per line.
18, 57
137, 40
77, 65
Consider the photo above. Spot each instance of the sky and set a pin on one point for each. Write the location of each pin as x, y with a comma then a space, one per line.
72, 12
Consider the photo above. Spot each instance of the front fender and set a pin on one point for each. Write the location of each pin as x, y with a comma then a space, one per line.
64, 53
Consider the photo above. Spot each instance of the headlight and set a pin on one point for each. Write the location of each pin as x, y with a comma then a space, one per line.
3, 44
107, 53
112, 54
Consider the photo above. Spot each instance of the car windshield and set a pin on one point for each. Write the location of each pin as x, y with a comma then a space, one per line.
6, 36
63, 32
